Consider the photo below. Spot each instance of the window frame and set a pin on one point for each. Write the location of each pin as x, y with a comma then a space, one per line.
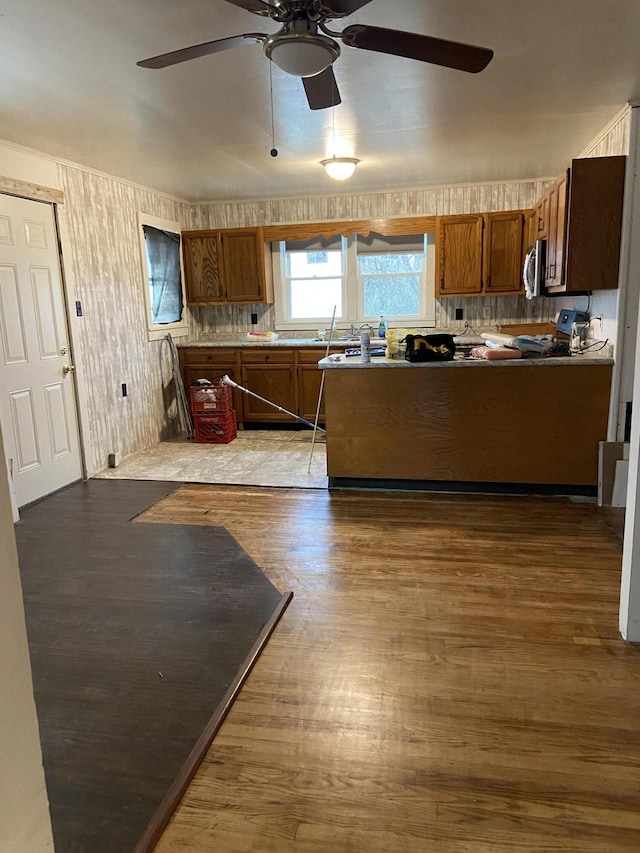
353, 292
283, 320
157, 331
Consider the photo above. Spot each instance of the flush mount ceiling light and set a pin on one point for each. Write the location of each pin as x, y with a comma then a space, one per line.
340, 168
301, 53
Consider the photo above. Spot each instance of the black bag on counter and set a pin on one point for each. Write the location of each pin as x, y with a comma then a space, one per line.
429, 348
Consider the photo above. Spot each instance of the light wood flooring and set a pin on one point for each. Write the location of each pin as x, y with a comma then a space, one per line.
449, 678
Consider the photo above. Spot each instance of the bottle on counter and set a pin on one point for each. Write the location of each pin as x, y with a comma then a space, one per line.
365, 344
382, 326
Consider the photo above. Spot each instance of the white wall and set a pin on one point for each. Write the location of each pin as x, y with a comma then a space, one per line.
25, 826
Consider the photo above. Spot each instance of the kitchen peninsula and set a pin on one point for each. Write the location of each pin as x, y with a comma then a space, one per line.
466, 423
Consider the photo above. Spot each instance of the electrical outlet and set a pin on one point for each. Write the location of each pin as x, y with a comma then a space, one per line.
459, 313
486, 312
254, 318
124, 389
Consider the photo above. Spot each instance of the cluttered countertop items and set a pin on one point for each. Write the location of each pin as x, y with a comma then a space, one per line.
412, 347
427, 346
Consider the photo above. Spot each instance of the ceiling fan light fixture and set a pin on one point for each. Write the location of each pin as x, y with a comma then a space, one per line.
340, 168
302, 55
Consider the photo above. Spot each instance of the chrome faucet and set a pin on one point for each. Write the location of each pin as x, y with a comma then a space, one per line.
354, 330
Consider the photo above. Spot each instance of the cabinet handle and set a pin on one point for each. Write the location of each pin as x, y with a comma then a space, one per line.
488, 281
442, 282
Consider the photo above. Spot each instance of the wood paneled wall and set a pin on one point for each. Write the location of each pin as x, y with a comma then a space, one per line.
227, 321
613, 140
104, 265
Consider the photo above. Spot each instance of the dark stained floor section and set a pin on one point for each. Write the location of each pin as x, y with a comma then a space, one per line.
136, 631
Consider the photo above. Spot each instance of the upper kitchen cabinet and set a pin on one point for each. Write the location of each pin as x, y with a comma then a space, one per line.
202, 252
459, 255
227, 266
585, 226
503, 251
480, 253
537, 222
556, 221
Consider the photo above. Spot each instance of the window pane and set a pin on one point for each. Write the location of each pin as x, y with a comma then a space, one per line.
396, 263
315, 299
309, 264
397, 295
163, 268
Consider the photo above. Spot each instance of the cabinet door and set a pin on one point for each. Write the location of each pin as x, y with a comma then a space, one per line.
203, 274
244, 266
594, 223
540, 219
309, 379
554, 278
503, 251
274, 382
459, 255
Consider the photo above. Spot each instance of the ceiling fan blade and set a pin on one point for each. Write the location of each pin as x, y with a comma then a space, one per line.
341, 7
258, 7
196, 50
451, 54
322, 90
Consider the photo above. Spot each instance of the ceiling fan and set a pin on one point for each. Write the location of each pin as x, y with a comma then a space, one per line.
305, 47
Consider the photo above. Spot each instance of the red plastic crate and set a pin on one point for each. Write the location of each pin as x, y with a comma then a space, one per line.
212, 398
215, 429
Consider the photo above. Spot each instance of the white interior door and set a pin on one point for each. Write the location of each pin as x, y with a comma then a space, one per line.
37, 393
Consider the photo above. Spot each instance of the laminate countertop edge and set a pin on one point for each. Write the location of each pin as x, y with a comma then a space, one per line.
377, 362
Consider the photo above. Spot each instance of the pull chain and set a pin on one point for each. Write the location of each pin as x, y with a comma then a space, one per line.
274, 150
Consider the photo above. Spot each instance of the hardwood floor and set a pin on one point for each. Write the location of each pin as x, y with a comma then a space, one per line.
449, 678
136, 632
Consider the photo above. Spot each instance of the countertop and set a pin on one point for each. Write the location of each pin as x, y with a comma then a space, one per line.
354, 362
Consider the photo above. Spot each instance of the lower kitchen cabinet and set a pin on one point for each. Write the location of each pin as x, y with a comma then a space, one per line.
211, 363
289, 377
274, 382
309, 379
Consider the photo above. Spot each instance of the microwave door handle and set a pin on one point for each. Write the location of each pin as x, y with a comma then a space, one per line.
527, 279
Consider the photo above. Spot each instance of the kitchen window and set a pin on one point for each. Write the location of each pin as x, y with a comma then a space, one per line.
162, 277
363, 277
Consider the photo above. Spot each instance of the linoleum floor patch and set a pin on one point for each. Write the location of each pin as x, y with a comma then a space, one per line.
254, 458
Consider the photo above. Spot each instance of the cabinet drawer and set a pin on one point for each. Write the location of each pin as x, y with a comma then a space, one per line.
313, 356
267, 356
206, 355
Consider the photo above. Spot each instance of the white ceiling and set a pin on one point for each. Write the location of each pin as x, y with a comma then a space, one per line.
69, 86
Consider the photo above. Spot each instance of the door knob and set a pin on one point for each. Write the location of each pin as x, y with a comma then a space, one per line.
63, 350
68, 368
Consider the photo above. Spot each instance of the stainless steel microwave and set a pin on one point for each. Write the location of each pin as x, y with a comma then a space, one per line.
533, 271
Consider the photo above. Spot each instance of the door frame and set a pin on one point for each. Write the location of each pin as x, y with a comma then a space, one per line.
55, 198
